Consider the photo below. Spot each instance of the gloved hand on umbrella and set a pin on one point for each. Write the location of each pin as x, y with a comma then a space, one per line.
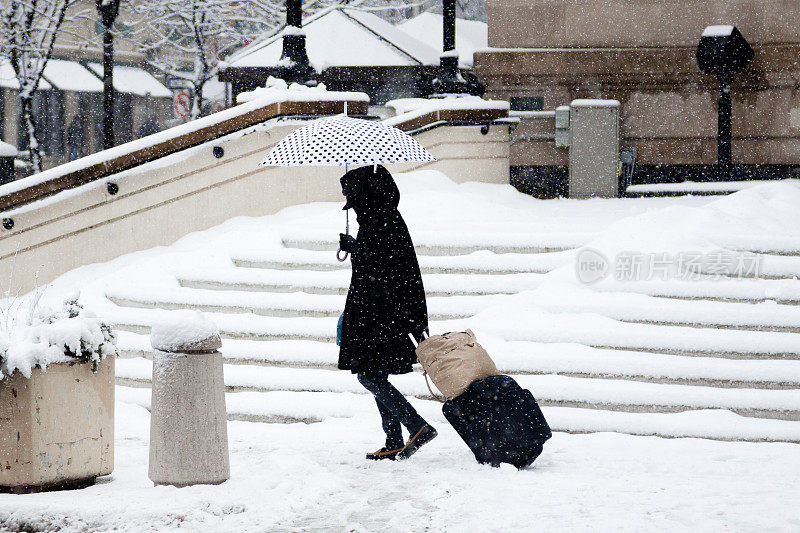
347, 243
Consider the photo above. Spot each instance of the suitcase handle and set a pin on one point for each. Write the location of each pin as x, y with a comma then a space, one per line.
428, 383
424, 335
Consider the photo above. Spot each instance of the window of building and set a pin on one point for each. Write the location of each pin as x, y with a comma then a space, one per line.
48, 118
527, 103
123, 118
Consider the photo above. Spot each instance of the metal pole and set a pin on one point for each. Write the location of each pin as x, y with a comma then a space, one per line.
108, 10
294, 56
108, 88
449, 25
449, 80
724, 136
294, 13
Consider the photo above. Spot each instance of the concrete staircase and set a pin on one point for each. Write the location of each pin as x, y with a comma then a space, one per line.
706, 358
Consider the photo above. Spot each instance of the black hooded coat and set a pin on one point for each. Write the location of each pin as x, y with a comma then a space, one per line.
386, 300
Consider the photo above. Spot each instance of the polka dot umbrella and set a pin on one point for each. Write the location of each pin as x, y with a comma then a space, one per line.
343, 141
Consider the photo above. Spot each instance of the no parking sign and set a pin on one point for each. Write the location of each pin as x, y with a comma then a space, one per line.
182, 104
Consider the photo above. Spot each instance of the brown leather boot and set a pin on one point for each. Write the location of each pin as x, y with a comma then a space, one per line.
384, 453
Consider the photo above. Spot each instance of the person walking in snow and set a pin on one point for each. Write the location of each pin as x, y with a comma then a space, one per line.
385, 302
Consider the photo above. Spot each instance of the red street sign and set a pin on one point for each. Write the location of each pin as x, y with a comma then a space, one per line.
182, 103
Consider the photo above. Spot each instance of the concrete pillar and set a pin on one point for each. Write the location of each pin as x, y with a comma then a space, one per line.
188, 419
10, 116
594, 166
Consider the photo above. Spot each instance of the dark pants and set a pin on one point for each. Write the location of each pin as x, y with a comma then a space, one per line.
393, 407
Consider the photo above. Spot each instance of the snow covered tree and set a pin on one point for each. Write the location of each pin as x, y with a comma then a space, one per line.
28, 34
170, 33
203, 31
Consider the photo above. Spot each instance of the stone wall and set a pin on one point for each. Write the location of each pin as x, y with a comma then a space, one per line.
635, 23
643, 54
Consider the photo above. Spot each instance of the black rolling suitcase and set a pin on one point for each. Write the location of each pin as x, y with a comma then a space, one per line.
500, 422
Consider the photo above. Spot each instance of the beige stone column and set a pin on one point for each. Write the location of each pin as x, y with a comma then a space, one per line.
188, 420
10, 116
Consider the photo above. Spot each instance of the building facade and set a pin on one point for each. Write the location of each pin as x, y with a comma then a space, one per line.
642, 53
68, 103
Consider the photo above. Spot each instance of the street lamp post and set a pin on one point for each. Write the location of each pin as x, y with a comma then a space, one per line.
294, 64
108, 11
725, 52
450, 80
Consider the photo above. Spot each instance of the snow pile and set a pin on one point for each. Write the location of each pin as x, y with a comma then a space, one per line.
279, 91
182, 331
767, 212
55, 337
629, 249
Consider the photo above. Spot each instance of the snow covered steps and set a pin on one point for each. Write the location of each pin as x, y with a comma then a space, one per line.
278, 304
310, 407
478, 262
590, 330
338, 282
784, 291
561, 391
711, 357
429, 243
622, 307
524, 358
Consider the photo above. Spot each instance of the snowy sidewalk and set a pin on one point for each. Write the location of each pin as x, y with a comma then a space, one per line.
299, 477
717, 358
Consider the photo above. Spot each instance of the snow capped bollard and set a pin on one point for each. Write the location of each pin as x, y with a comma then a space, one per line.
188, 420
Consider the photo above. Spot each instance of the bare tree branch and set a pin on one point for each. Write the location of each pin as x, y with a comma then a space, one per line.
28, 34
175, 34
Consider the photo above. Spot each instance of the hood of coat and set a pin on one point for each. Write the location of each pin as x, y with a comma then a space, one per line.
370, 191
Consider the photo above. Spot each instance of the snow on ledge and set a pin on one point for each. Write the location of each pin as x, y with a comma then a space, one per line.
705, 186
292, 30
411, 108
718, 31
182, 331
277, 88
590, 102
273, 95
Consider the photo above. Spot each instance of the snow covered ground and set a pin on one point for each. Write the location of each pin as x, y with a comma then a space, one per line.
505, 265
312, 477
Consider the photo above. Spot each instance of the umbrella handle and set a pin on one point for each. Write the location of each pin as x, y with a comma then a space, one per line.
347, 232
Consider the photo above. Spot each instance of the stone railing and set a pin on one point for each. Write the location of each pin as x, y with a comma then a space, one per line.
470, 140
157, 189
161, 144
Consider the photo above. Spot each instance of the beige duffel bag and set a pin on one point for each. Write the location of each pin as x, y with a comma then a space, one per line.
454, 361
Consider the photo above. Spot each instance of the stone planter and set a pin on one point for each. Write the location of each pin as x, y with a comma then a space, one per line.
57, 427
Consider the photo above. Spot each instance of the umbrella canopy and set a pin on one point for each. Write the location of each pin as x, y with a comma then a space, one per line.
341, 141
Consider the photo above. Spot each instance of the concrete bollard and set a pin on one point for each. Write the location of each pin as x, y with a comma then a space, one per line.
188, 420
